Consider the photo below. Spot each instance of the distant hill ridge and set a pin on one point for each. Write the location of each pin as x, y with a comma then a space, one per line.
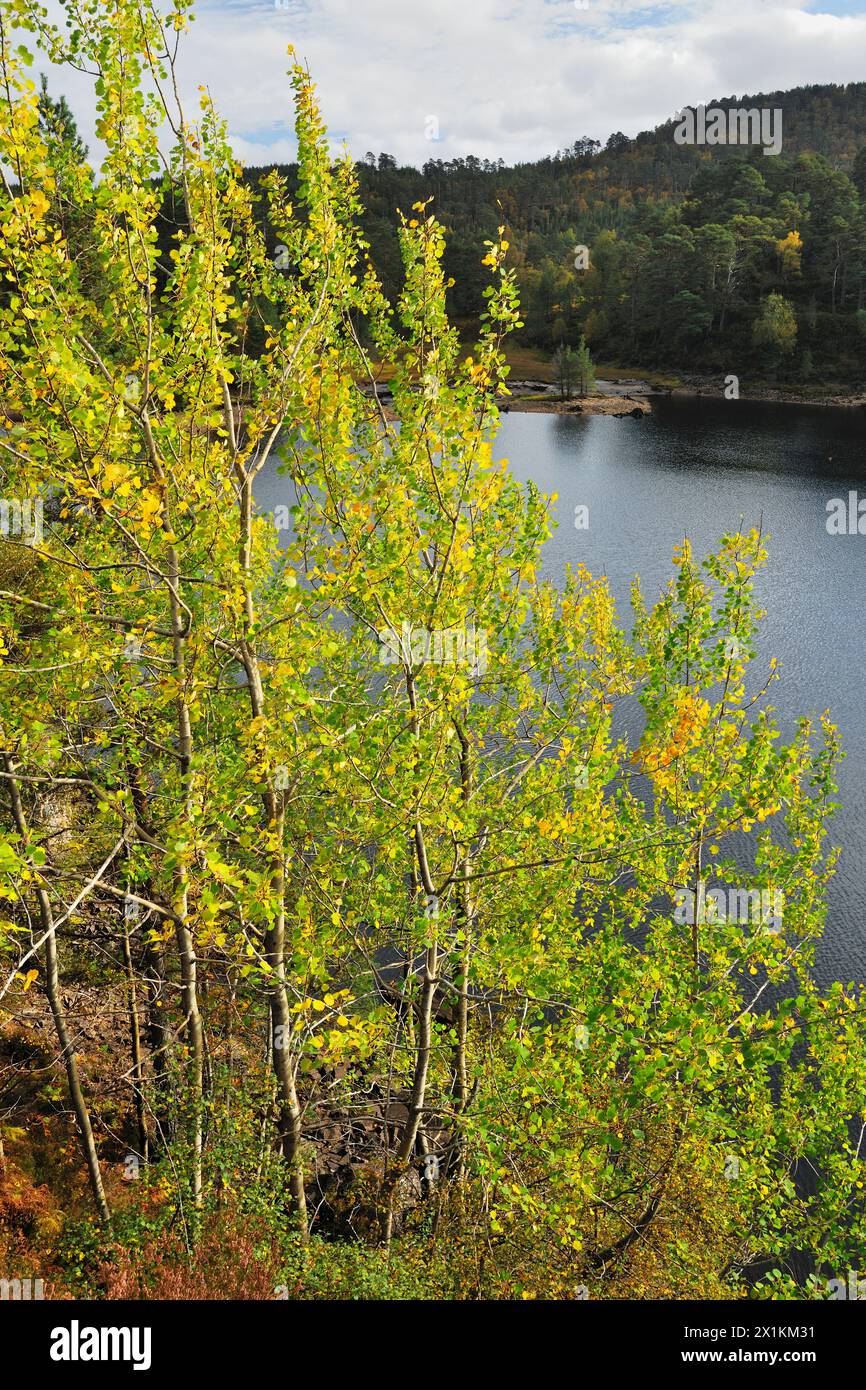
699, 255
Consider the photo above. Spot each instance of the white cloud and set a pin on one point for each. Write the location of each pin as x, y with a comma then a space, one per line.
505, 78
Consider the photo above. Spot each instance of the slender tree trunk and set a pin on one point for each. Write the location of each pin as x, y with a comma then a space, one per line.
699, 901
55, 1002
464, 919
135, 1043
290, 1121
430, 980
422, 1059
424, 1048
157, 1031
423, 1053
158, 1035
194, 1037
184, 937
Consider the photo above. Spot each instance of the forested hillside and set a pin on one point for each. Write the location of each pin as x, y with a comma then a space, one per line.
686, 244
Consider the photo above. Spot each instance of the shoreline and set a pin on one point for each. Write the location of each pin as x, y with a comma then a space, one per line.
848, 400
622, 397
631, 397
617, 406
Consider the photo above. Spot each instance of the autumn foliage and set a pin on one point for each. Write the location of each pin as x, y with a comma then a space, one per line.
379, 957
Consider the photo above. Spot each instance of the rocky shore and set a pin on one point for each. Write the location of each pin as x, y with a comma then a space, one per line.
714, 387
611, 398
631, 396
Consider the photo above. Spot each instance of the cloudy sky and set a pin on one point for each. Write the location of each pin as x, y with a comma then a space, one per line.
502, 78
